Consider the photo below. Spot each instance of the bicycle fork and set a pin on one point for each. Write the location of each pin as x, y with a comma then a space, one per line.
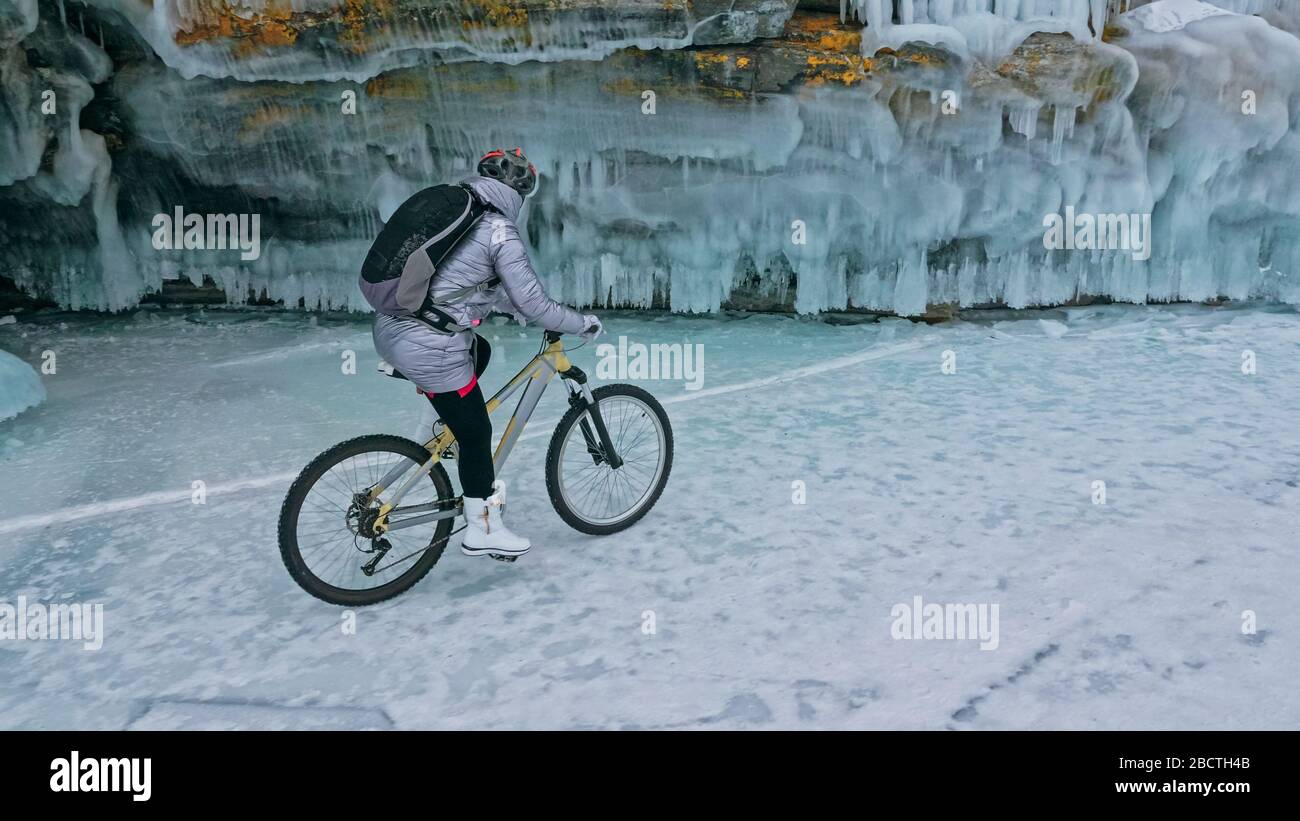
592, 423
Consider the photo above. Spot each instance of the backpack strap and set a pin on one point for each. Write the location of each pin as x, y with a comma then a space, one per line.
461, 294
438, 320
479, 201
468, 291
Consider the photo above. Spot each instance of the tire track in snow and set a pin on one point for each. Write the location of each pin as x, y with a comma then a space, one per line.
165, 497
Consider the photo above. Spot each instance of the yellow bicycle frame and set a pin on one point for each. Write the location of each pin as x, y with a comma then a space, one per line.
536, 375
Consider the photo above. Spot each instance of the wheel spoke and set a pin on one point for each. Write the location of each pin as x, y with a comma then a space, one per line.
327, 534
597, 493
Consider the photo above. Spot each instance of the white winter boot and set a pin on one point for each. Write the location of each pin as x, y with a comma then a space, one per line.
486, 533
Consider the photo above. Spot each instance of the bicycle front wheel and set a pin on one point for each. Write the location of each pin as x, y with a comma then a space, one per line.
589, 495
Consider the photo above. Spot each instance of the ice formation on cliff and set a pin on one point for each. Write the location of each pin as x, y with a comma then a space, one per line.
343, 39
917, 154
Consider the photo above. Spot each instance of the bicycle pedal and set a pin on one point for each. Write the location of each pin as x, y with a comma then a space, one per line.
502, 557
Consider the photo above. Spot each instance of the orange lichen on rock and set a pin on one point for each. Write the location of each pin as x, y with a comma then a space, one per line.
824, 32
358, 16
1029, 61
669, 88
704, 59
807, 24
1103, 86
449, 79
629, 87
276, 33
831, 50
401, 85
923, 58
279, 26
844, 68
272, 27
267, 115
497, 14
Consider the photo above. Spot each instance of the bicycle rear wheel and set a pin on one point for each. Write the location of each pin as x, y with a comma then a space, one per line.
324, 540
589, 495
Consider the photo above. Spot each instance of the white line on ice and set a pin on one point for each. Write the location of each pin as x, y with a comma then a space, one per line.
879, 352
812, 370
165, 497
276, 353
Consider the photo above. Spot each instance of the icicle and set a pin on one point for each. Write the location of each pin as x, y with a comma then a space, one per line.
1024, 120
877, 17
941, 11
1062, 128
1098, 12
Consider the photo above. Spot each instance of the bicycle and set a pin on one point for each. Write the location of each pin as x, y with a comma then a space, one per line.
600, 481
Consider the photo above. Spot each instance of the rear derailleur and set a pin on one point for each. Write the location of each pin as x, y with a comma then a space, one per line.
361, 521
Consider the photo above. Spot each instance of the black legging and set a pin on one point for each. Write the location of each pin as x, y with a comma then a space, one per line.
467, 417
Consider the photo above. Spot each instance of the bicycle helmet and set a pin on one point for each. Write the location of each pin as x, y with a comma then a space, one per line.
511, 168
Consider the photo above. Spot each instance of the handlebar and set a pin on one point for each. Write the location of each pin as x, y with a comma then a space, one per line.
554, 336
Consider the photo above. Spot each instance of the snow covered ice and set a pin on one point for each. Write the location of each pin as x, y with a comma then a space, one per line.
974, 486
1172, 15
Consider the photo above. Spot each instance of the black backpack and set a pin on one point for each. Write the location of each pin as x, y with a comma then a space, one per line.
406, 254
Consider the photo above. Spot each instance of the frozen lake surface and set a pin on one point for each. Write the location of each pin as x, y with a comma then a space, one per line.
974, 487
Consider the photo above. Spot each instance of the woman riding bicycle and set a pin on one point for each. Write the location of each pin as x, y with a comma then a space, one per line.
487, 271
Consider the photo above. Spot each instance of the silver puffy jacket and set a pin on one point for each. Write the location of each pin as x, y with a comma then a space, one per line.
441, 362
